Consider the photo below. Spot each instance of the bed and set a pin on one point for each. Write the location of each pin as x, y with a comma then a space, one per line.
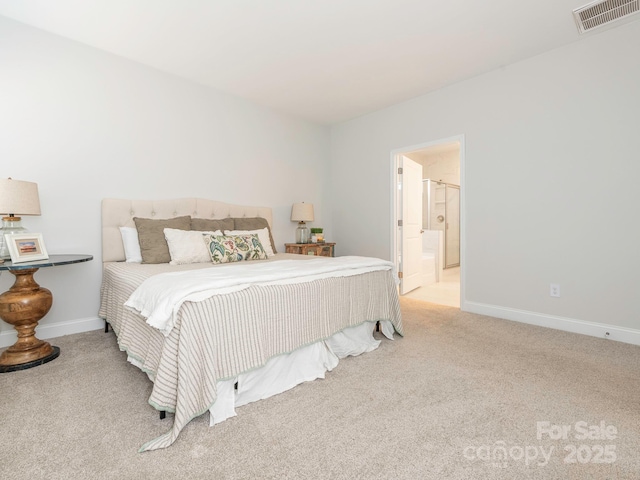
218, 336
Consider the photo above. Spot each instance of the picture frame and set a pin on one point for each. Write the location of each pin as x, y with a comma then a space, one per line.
26, 247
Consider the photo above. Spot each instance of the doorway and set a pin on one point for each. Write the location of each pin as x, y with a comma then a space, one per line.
442, 162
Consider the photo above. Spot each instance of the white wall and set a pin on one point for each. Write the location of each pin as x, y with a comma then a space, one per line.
86, 125
551, 170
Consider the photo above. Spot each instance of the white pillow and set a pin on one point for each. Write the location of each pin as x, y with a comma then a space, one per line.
187, 246
131, 244
263, 236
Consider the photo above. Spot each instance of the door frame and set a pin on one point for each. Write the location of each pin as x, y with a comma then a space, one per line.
396, 179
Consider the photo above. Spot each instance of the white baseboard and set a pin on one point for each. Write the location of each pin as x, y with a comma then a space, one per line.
601, 330
44, 332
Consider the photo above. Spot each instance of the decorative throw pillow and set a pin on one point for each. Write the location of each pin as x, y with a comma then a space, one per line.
131, 246
211, 224
234, 248
153, 246
253, 223
187, 246
263, 235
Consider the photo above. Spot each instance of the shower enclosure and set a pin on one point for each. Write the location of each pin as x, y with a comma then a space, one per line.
441, 211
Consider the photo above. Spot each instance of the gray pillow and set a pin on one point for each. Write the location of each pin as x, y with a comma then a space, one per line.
153, 245
211, 224
254, 223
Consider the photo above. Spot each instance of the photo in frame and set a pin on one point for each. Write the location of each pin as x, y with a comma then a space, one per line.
26, 247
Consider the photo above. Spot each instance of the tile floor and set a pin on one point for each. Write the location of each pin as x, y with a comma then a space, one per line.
445, 292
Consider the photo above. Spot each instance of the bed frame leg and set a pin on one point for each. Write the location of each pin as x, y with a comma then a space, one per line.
106, 327
378, 326
163, 414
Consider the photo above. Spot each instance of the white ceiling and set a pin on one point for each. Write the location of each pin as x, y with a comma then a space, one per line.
323, 60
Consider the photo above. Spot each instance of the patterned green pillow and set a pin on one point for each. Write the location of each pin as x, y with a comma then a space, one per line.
234, 248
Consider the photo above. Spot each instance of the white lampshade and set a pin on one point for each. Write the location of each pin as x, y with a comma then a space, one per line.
302, 212
18, 197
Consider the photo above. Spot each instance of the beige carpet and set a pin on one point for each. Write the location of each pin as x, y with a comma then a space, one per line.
433, 405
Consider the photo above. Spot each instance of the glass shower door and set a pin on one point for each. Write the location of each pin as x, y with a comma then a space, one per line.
452, 232
441, 211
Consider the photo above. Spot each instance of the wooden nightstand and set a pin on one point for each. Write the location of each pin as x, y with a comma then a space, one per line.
23, 306
320, 249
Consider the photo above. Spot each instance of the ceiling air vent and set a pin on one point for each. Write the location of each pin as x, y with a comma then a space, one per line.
601, 13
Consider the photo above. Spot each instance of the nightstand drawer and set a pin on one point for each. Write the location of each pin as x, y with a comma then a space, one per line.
316, 249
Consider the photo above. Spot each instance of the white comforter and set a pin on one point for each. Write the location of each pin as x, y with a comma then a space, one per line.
159, 298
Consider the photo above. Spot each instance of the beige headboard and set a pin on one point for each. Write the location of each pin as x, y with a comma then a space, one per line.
119, 213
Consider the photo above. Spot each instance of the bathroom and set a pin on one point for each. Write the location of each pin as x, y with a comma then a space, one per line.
441, 223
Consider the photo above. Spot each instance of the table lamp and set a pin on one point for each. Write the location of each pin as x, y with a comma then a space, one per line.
16, 198
301, 213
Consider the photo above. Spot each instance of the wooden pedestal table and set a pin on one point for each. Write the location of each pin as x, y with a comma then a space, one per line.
23, 306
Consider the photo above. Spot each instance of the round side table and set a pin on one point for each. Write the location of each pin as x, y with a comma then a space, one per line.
23, 306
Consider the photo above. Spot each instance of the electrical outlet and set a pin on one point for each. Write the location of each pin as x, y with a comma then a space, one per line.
554, 290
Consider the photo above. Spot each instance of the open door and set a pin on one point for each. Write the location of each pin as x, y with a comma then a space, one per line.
410, 225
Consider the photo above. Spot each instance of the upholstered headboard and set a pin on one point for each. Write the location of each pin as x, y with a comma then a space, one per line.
119, 213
